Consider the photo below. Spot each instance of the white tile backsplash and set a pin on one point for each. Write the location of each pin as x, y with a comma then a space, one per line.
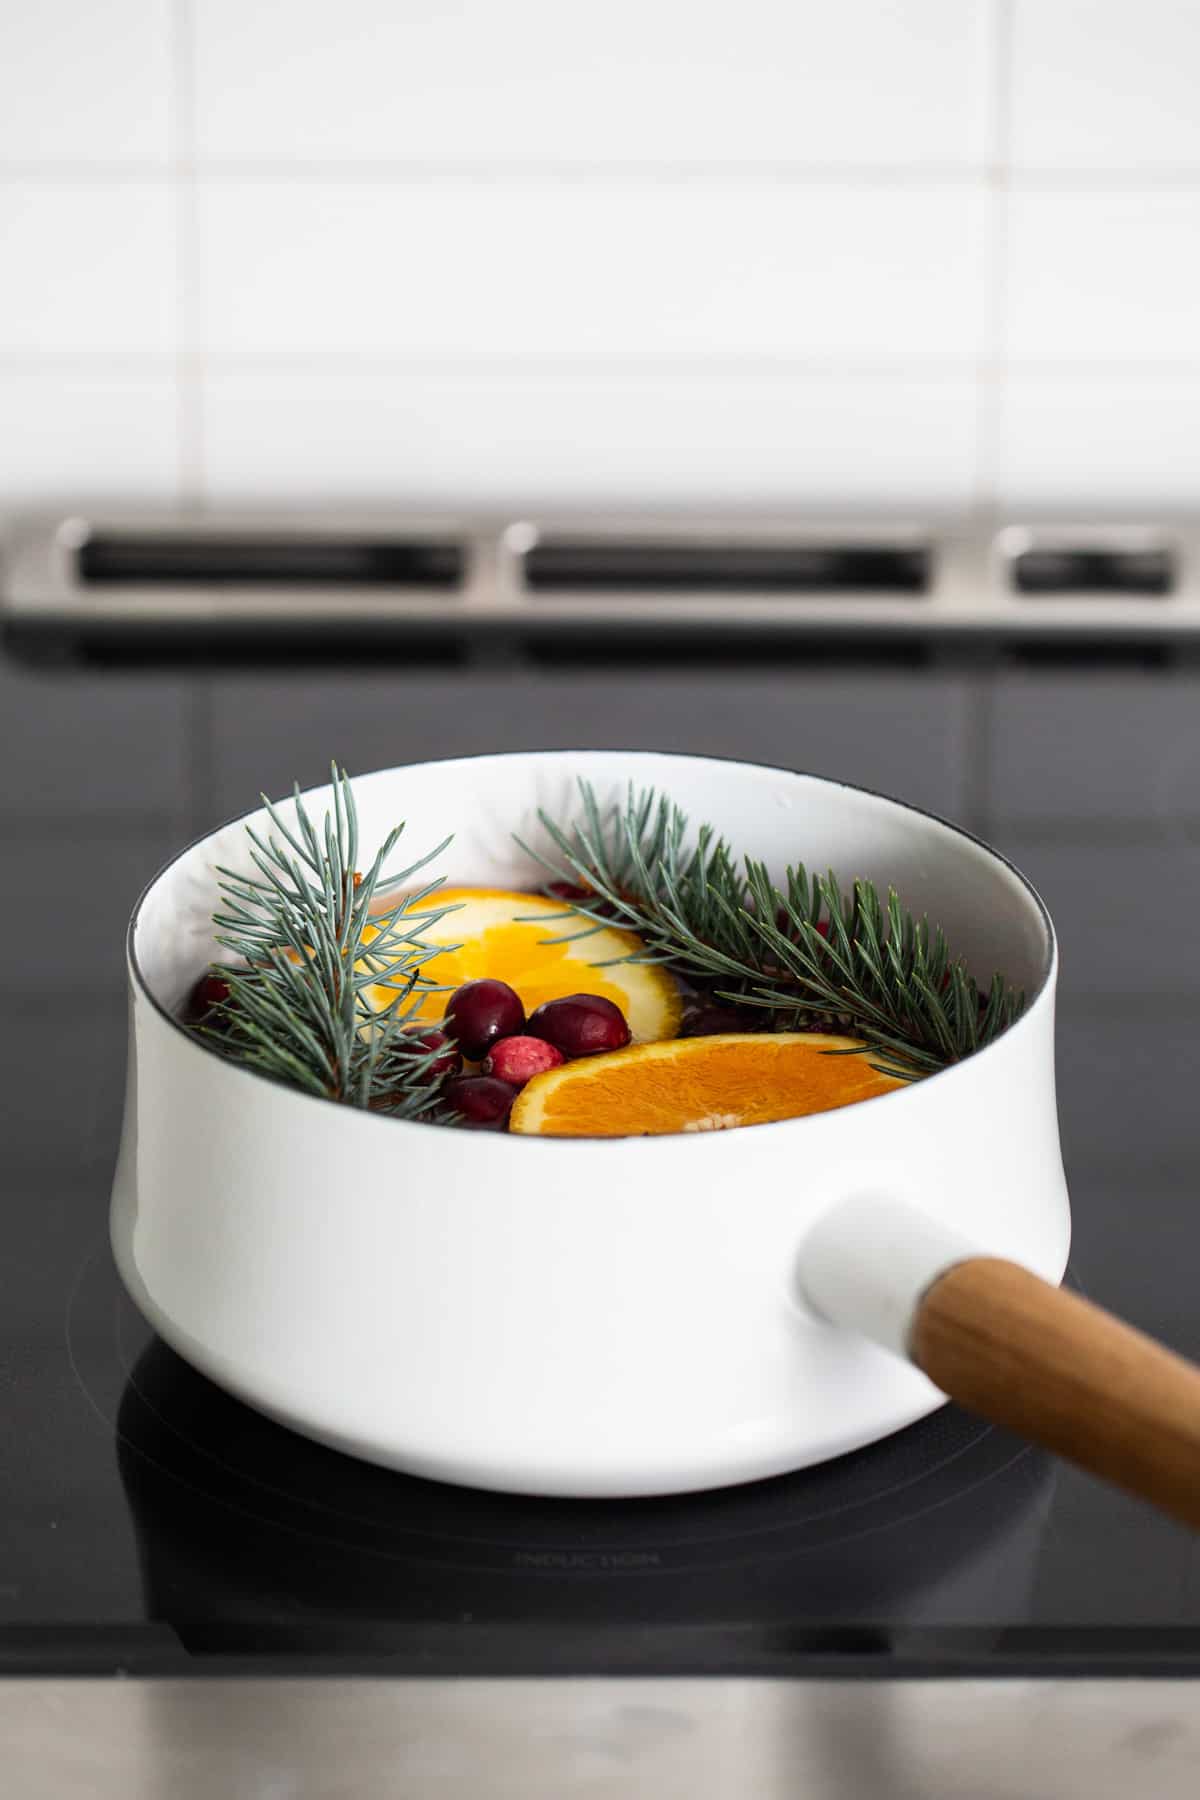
773, 80
1104, 275
85, 82
619, 438
893, 257
82, 433
87, 266
1105, 84
1101, 440
596, 267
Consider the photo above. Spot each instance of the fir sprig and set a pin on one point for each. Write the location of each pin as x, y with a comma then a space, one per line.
808, 953
309, 949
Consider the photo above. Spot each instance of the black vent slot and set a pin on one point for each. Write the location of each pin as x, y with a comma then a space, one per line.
1096, 571
612, 568
160, 560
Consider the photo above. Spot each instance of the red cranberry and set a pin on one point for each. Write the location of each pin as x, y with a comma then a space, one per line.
482, 1103
519, 1059
480, 1012
783, 924
450, 1064
580, 1025
205, 1002
712, 1021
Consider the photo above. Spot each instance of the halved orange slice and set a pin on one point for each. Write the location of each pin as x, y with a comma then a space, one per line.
697, 1084
505, 935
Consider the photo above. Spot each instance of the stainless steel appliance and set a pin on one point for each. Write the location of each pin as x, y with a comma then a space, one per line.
465, 577
946, 1601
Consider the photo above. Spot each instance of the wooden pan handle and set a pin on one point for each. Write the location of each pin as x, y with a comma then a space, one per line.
1058, 1370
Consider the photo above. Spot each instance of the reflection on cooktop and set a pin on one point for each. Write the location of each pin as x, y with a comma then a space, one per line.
246, 1528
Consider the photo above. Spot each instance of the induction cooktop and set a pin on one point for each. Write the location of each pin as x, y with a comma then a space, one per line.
149, 1523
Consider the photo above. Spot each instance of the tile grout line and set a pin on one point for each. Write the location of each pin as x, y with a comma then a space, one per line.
991, 377
489, 173
197, 698
189, 414
811, 365
1068, 180
979, 691
902, 366
199, 703
992, 368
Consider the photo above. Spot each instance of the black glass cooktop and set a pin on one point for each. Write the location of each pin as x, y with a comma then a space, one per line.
148, 1522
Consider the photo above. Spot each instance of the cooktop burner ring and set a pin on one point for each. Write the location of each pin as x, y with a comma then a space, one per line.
227, 1457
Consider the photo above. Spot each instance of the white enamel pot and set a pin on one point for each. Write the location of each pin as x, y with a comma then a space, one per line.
640, 1315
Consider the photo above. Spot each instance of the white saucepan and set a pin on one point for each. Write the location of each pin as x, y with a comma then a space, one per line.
641, 1315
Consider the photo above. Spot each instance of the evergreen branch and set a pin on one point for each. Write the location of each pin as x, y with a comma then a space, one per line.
309, 951
312, 958
805, 952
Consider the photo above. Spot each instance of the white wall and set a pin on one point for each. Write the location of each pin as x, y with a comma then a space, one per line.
934, 253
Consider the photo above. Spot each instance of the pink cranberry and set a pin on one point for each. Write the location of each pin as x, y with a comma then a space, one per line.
519, 1059
449, 1064
479, 1012
482, 1103
580, 1025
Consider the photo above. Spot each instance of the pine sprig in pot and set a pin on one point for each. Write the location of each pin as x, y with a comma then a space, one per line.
807, 953
309, 949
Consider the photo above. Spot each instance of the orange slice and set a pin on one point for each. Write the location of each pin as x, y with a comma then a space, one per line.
697, 1084
504, 935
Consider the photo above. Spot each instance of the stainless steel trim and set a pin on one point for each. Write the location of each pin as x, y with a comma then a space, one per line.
1015, 541
706, 1739
970, 593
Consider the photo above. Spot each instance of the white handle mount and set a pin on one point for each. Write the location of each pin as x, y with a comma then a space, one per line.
867, 1262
